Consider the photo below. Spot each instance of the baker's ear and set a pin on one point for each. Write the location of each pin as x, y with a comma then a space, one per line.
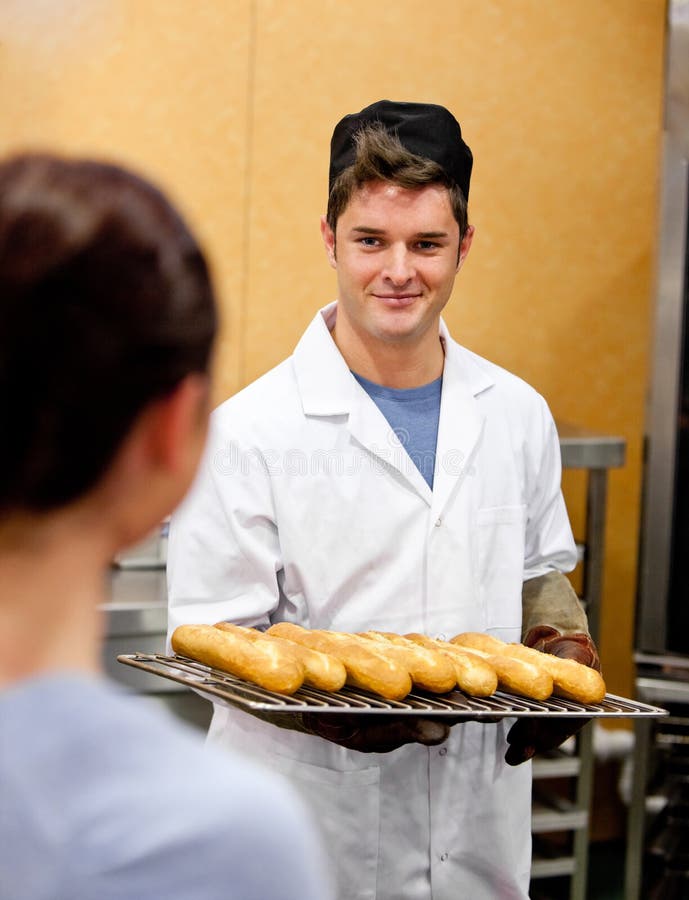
465, 245
328, 236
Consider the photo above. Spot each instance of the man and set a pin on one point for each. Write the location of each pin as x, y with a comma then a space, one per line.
383, 477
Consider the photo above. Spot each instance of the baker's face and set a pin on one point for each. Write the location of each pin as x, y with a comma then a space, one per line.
396, 252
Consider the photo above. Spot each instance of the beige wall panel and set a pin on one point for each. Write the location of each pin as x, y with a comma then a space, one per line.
160, 85
561, 103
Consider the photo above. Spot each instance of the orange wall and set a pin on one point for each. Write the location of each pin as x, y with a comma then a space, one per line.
230, 106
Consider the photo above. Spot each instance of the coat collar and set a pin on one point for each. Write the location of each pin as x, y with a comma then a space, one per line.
326, 385
327, 388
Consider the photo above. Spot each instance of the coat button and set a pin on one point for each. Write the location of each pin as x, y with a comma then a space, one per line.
443, 857
438, 522
440, 637
442, 751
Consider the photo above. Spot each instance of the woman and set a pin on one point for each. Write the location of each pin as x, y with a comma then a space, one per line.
107, 319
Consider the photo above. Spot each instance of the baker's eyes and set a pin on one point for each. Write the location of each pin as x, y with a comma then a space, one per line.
370, 242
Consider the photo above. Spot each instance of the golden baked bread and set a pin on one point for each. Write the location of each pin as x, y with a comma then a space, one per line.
571, 679
366, 667
516, 676
387, 664
429, 669
474, 676
261, 662
321, 670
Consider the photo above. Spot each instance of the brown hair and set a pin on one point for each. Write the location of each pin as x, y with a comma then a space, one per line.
380, 156
105, 305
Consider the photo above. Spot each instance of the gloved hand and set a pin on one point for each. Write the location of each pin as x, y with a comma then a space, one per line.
578, 646
375, 734
530, 736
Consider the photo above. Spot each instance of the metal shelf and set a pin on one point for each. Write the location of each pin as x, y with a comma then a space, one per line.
660, 764
552, 868
567, 818
561, 766
595, 453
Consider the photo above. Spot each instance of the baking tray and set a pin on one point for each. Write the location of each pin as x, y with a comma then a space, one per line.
227, 690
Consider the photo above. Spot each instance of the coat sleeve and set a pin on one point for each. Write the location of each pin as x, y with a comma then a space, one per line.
549, 544
224, 552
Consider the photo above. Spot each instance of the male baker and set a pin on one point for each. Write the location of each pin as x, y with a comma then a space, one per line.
384, 477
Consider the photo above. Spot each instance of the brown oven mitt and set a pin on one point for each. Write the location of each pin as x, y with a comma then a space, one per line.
551, 599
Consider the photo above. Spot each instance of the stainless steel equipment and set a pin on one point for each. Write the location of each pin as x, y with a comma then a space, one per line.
658, 828
663, 612
136, 619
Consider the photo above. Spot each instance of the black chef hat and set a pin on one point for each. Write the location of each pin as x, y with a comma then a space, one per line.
425, 129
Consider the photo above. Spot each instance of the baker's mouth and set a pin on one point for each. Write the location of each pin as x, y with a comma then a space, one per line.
403, 298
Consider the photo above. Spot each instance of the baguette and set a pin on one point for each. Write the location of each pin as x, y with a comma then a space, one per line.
321, 670
261, 662
477, 640
366, 667
516, 676
571, 679
474, 676
429, 669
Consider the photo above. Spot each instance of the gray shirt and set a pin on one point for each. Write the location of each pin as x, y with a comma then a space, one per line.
414, 415
103, 796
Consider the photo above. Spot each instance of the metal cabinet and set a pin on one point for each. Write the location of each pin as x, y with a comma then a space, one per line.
563, 782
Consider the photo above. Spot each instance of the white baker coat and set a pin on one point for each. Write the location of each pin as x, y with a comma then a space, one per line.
308, 509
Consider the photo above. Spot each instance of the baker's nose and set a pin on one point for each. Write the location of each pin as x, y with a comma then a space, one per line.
399, 267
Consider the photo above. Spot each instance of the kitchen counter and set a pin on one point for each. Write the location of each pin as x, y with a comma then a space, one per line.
583, 449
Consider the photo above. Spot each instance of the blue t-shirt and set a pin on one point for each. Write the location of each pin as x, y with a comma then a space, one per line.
413, 414
105, 797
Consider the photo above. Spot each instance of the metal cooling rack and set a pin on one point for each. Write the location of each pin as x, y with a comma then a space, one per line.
227, 690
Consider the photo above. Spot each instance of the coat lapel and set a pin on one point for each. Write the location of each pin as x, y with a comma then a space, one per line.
461, 422
327, 388
369, 427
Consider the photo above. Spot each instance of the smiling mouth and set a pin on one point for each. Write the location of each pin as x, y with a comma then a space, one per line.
397, 300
